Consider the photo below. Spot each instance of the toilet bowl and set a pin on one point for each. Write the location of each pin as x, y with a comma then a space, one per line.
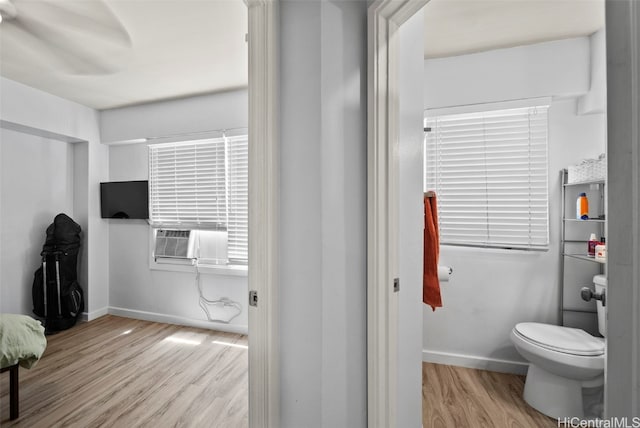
564, 363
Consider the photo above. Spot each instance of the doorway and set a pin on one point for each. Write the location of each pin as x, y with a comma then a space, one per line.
383, 253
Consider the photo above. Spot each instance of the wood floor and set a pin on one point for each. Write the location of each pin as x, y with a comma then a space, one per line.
458, 397
118, 372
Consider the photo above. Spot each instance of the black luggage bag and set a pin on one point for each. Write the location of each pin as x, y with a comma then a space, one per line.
57, 296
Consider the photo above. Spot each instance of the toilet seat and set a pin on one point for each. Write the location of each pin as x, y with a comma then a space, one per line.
567, 340
560, 363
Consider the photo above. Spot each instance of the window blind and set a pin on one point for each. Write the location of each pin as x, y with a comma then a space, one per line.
238, 196
489, 171
202, 185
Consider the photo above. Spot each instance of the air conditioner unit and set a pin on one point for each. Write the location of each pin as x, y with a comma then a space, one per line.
175, 245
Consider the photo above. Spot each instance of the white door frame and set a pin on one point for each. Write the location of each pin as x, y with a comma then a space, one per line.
385, 16
264, 385
384, 20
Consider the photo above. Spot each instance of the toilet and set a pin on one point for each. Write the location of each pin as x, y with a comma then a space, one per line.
566, 365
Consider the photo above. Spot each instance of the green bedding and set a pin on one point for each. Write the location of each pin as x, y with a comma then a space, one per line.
22, 340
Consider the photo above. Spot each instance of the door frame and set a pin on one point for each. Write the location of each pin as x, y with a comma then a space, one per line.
264, 355
385, 17
622, 371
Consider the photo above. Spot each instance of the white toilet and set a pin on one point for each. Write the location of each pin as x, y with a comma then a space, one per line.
566, 364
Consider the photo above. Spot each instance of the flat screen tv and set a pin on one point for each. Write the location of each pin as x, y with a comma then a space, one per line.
124, 199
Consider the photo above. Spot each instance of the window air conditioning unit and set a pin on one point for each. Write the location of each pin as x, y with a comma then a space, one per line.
177, 245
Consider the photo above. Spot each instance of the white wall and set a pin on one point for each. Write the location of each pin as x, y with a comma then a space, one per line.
492, 290
322, 214
202, 113
36, 185
134, 289
33, 112
595, 101
559, 68
81, 204
410, 74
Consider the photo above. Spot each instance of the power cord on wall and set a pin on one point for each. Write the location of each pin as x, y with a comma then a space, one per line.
223, 302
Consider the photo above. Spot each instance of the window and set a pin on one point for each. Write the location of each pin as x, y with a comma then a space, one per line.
489, 172
202, 185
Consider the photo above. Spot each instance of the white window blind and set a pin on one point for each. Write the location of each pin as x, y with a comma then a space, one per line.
202, 185
489, 172
238, 221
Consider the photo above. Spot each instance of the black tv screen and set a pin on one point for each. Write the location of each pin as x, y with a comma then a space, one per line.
124, 199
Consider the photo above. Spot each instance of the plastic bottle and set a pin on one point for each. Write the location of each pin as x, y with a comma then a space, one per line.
582, 207
593, 241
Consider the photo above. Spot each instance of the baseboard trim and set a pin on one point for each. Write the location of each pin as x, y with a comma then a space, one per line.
90, 316
172, 319
472, 362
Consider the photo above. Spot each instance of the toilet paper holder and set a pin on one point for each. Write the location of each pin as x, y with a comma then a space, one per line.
444, 272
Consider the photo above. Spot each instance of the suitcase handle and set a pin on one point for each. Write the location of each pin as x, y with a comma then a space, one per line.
56, 253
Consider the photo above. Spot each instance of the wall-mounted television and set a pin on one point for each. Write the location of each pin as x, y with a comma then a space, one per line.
124, 199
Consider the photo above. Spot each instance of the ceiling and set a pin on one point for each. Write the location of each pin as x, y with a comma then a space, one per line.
457, 27
178, 48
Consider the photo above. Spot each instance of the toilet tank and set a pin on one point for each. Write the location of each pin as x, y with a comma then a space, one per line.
600, 281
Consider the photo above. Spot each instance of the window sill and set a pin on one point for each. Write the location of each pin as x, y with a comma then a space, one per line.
229, 270
497, 249
225, 270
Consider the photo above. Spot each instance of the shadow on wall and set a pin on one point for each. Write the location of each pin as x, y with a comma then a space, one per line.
510, 356
31, 256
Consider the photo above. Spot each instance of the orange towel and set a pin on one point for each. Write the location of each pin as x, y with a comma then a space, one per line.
430, 282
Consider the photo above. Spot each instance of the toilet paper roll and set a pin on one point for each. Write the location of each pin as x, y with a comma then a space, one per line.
444, 272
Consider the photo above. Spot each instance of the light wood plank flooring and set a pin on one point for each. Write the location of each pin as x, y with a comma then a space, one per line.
118, 372
458, 397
